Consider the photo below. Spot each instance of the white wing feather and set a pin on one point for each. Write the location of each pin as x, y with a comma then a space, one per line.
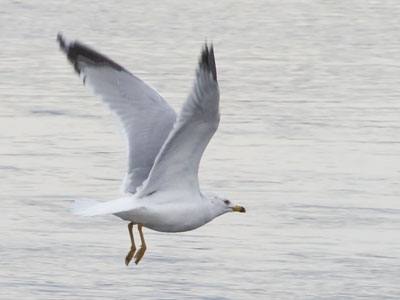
177, 164
145, 117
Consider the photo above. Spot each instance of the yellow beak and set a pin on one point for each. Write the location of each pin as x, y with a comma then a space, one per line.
239, 209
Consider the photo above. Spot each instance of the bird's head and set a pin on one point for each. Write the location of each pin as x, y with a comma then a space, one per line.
222, 204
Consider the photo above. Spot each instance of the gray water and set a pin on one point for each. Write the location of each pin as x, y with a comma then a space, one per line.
309, 143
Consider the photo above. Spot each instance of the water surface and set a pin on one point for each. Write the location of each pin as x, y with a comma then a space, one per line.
309, 143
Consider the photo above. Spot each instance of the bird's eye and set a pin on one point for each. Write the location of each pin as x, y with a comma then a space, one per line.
227, 202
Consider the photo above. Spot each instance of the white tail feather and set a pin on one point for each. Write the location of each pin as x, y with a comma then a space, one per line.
88, 207
84, 207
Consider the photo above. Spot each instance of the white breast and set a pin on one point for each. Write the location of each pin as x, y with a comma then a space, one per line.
161, 214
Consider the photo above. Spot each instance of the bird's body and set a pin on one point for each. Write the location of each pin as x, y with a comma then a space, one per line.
169, 212
161, 189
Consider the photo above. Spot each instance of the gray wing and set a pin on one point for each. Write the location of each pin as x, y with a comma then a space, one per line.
146, 118
177, 164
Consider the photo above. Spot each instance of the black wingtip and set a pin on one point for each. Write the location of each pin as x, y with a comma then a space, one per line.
207, 60
76, 51
61, 41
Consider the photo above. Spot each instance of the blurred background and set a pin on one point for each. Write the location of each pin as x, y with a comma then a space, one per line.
309, 143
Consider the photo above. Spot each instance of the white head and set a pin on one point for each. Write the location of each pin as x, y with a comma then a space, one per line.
222, 205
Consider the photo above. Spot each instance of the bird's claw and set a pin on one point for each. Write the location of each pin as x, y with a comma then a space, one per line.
129, 256
140, 253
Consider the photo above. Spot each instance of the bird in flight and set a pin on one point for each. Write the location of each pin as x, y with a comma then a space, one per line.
161, 188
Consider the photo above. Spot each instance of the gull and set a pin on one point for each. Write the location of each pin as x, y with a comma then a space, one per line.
161, 189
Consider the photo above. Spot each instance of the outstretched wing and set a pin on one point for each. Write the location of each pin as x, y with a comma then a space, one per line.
177, 164
146, 118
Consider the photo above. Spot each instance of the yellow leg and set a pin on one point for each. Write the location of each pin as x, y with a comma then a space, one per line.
143, 248
133, 247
